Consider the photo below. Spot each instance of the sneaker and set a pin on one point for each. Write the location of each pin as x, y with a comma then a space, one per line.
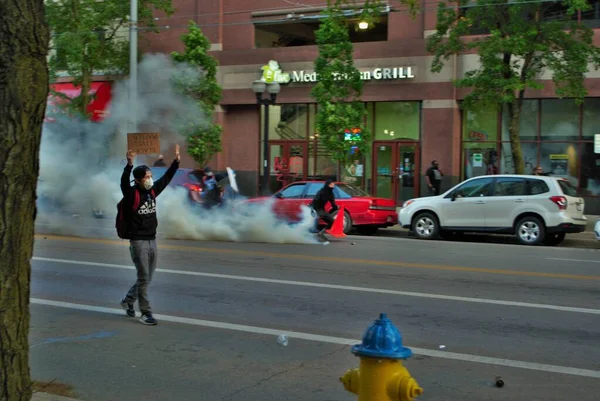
128, 308
147, 319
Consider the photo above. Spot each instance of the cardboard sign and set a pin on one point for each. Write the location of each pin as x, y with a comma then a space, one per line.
144, 143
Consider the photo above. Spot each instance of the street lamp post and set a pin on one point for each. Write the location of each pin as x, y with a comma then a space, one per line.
258, 87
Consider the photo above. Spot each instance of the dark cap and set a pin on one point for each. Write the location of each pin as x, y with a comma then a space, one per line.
140, 172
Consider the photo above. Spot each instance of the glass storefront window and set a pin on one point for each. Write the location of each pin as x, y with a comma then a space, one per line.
591, 117
325, 167
286, 121
590, 170
529, 150
480, 159
560, 120
357, 172
480, 124
312, 121
560, 159
397, 120
370, 120
529, 121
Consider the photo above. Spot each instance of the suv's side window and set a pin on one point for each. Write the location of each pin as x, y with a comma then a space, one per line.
510, 187
537, 187
475, 188
293, 191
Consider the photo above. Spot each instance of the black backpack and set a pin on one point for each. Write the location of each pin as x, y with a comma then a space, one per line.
123, 220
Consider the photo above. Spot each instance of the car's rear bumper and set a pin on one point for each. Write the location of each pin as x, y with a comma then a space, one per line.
379, 218
568, 228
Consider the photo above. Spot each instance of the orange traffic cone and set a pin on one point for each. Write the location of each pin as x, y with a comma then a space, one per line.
337, 230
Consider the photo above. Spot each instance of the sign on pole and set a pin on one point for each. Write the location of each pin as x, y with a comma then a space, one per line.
597, 143
144, 143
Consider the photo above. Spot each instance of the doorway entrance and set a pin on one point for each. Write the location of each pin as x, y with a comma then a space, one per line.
289, 163
397, 170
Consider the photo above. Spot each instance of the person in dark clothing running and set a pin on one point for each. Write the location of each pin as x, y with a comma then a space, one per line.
320, 201
143, 230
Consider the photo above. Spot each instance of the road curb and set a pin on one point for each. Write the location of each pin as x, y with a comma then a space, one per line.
51, 397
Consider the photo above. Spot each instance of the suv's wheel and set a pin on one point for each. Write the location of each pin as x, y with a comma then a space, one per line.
554, 239
530, 231
426, 226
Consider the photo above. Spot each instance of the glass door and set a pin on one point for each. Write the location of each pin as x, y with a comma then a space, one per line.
384, 172
408, 172
397, 171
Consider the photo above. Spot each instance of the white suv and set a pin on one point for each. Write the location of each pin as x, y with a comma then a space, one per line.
537, 209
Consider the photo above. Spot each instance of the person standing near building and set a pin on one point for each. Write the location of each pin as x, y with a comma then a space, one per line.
142, 230
160, 162
433, 176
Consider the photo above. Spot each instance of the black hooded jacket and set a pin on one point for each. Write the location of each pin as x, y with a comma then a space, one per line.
324, 196
143, 221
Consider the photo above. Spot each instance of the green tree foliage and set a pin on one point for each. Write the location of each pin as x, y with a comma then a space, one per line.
339, 88
90, 36
526, 39
204, 140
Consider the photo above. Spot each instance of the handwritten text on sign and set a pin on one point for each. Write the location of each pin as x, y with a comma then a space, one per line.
144, 144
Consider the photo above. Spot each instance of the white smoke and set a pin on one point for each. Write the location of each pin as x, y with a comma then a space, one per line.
81, 164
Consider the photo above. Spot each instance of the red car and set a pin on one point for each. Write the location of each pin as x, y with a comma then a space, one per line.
363, 212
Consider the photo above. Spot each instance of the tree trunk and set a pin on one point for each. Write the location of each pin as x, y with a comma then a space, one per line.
23, 95
514, 129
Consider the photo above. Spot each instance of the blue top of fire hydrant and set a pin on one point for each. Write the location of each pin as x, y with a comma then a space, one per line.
382, 340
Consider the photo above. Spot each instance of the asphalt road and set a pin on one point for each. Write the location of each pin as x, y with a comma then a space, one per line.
469, 311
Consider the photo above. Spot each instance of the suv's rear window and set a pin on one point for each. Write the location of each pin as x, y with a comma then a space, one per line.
537, 187
567, 188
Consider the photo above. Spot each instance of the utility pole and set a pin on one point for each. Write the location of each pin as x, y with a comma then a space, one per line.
133, 55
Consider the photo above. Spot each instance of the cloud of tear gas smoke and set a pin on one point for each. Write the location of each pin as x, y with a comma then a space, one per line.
81, 164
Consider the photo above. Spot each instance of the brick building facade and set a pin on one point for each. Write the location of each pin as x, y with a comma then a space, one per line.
413, 113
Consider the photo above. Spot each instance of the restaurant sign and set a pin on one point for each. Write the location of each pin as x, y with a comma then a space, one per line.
272, 72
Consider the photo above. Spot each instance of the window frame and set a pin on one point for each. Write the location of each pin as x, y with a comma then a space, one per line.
579, 142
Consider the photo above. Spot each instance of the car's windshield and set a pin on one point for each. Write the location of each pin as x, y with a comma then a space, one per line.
567, 188
349, 191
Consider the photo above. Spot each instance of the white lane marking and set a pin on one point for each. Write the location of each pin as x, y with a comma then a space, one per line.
332, 340
575, 260
337, 287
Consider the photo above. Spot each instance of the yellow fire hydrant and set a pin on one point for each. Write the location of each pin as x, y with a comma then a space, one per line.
381, 375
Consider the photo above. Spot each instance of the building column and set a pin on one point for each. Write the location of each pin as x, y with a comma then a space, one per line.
441, 140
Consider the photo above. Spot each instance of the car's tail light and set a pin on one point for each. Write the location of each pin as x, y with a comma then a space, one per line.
376, 205
560, 201
193, 187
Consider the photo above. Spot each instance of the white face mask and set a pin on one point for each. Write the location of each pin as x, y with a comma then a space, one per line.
149, 183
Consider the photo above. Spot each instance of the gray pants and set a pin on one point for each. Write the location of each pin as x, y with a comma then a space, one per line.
144, 255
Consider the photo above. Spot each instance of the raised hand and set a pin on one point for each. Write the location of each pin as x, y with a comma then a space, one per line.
177, 156
130, 156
